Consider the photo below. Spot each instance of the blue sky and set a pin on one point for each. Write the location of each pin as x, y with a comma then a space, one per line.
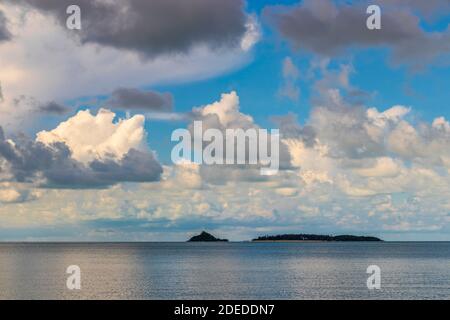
376, 102
258, 82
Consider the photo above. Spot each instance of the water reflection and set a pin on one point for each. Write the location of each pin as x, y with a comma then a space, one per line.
225, 270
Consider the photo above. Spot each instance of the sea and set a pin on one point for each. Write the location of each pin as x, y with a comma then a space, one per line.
235, 270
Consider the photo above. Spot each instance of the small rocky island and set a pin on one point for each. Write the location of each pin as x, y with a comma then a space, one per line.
206, 237
315, 237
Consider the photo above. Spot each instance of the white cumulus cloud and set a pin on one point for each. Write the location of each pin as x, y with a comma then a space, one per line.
91, 137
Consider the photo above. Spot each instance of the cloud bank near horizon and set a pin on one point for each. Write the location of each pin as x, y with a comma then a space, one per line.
362, 170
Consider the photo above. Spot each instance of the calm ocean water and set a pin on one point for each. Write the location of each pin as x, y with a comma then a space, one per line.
225, 270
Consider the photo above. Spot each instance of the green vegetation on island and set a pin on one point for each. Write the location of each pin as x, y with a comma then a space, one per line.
315, 237
205, 237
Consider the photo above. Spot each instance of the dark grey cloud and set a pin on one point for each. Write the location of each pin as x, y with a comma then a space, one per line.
323, 27
130, 98
344, 129
4, 32
53, 166
30, 103
153, 27
290, 128
53, 108
428, 8
135, 166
